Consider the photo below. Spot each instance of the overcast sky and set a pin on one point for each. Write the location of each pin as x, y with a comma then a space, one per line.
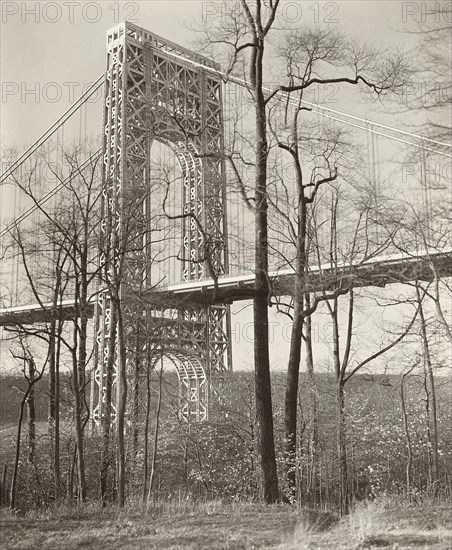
51, 51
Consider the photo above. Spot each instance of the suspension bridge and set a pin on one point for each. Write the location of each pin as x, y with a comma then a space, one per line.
170, 190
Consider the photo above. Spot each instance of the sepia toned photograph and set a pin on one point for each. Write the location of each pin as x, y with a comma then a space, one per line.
226, 275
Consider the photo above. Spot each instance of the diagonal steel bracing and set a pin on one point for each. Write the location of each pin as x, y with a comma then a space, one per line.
156, 90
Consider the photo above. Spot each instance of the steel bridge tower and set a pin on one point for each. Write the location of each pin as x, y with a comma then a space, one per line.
156, 90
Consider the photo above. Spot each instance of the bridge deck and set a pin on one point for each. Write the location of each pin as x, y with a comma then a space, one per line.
229, 288
380, 271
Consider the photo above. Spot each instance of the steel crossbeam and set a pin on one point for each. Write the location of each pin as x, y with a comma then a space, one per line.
156, 90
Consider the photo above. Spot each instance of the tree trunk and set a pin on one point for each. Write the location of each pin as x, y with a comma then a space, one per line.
52, 388
71, 472
252, 444
156, 436
31, 409
31, 380
293, 367
82, 359
120, 421
146, 431
296, 339
78, 431
341, 442
136, 392
56, 446
291, 396
433, 415
55, 330
12, 495
342, 450
3, 491
53, 426
312, 487
409, 461
264, 407
106, 417
78, 369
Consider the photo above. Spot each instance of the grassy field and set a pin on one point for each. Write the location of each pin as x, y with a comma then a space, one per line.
216, 526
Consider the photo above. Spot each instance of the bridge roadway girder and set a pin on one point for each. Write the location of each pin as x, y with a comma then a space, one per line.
33, 315
230, 289
376, 273
45, 313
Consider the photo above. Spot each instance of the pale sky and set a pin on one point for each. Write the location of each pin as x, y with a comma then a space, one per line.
51, 51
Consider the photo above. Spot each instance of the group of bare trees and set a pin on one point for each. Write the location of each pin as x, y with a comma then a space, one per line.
300, 224
64, 247
308, 57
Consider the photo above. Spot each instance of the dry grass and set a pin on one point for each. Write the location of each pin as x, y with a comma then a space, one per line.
213, 525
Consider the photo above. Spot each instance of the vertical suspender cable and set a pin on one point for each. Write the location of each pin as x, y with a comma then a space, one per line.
425, 188
373, 173
369, 158
85, 146
377, 184
2, 269
19, 208
242, 227
14, 257
172, 237
80, 126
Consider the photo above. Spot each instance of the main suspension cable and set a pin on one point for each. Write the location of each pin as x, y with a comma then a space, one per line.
63, 118
242, 82
49, 194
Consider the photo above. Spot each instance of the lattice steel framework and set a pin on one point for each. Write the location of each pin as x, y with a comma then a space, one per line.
156, 90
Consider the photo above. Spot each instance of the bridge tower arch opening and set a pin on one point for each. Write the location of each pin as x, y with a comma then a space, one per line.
166, 214
194, 391
159, 92
182, 249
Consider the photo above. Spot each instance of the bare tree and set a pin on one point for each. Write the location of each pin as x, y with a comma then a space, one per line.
32, 376
309, 56
67, 233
